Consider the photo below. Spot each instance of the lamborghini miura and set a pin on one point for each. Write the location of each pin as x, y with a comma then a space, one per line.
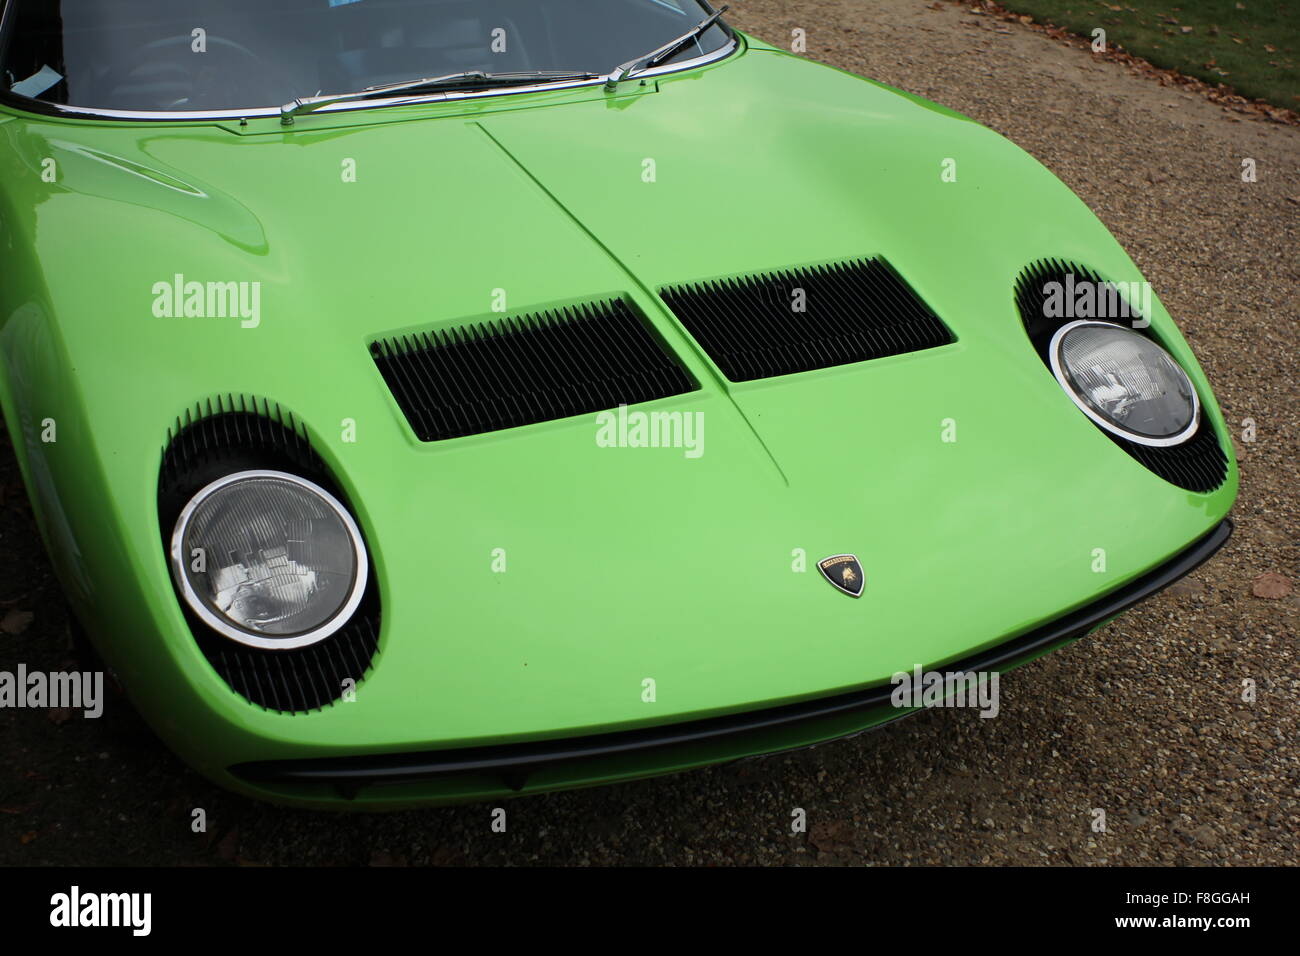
438, 400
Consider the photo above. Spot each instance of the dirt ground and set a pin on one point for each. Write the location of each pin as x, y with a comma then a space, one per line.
1144, 720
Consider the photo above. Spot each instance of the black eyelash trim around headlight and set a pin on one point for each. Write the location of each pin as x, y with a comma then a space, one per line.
218, 425
303, 679
235, 433
1199, 464
1031, 297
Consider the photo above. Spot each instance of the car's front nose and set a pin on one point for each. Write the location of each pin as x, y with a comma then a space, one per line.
540, 586
536, 582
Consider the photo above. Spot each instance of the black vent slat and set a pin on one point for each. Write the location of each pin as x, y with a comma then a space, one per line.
1031, 295
853, 311
1198, 464
231, 434
300, 680
527, 369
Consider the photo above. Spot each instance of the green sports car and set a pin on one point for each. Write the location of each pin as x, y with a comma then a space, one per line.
434, 400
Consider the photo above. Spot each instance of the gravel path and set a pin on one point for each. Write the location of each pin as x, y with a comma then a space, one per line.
1144, 721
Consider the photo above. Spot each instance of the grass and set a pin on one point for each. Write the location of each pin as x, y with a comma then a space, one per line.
1250, 45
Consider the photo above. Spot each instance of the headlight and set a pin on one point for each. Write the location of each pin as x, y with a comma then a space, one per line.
1125, 383
269, 559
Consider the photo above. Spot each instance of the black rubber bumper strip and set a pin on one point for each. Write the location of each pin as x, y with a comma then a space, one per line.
513, 762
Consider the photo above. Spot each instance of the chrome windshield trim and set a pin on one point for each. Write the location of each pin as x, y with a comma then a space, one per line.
205, 116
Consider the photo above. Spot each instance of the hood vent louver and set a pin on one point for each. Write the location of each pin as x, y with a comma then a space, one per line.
779, 323
527, 369
1199, 464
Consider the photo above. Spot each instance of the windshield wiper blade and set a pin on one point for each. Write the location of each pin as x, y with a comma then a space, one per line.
648, 60
476, 77
431, 84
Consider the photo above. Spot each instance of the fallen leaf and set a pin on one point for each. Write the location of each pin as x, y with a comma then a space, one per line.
445, 856
1187, 588
228, 848
27, 837
1271, 585
831, 837
15, 621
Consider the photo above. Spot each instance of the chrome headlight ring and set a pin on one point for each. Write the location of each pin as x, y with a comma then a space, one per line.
271, 571
1156, 366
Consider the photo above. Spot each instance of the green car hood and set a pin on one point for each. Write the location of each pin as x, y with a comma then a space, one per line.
621, 564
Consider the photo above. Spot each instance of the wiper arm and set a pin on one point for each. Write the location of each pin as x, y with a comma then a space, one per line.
311, 104
647, 60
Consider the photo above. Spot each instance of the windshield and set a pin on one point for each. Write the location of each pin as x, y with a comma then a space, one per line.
231, 55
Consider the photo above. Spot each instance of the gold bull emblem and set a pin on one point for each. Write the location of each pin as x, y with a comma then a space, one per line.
844, 571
